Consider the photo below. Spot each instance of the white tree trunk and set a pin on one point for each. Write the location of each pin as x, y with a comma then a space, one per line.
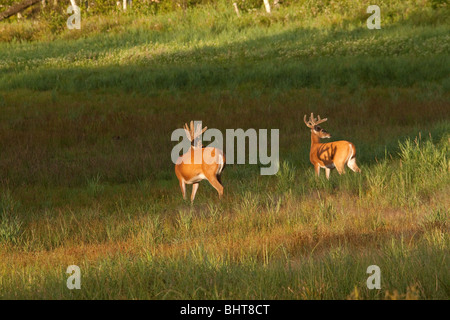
267, 5
236, 9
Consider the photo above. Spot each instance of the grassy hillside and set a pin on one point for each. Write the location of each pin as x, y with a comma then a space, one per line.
86, 176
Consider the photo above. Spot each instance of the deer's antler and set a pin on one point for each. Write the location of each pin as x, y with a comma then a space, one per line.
188, 132
312, 121
193, 133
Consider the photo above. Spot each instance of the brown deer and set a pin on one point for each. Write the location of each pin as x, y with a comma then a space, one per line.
190, 170
329, 155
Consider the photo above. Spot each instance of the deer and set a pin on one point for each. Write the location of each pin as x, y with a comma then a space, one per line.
210, 166
329, 155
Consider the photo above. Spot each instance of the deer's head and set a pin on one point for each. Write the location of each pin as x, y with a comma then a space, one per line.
193, 133
313, 124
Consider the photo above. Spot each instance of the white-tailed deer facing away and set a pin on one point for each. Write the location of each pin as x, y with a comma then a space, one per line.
329, 155
190, 170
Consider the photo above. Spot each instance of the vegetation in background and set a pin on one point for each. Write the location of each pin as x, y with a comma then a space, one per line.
104, 16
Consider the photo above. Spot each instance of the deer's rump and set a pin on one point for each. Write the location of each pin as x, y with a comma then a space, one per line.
211, 163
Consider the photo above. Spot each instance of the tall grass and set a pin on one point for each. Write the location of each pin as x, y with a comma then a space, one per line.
293, 244
11, 227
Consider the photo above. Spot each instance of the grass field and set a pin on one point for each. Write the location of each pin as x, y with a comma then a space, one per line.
86, 177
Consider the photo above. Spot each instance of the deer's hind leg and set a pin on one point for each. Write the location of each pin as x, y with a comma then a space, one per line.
194, 191
216, 184
183, 188
352, 165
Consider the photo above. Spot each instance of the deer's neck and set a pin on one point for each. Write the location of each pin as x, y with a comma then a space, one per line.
197, 145
314, 139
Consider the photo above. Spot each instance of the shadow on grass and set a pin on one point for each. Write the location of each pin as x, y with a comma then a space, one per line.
284, 60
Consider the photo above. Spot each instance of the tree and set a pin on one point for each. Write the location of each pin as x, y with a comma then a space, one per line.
16, 8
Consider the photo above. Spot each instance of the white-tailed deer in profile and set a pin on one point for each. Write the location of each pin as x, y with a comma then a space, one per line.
208, 164
329, 155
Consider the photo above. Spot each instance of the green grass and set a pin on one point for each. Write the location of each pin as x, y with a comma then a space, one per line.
86, 176
149, 61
